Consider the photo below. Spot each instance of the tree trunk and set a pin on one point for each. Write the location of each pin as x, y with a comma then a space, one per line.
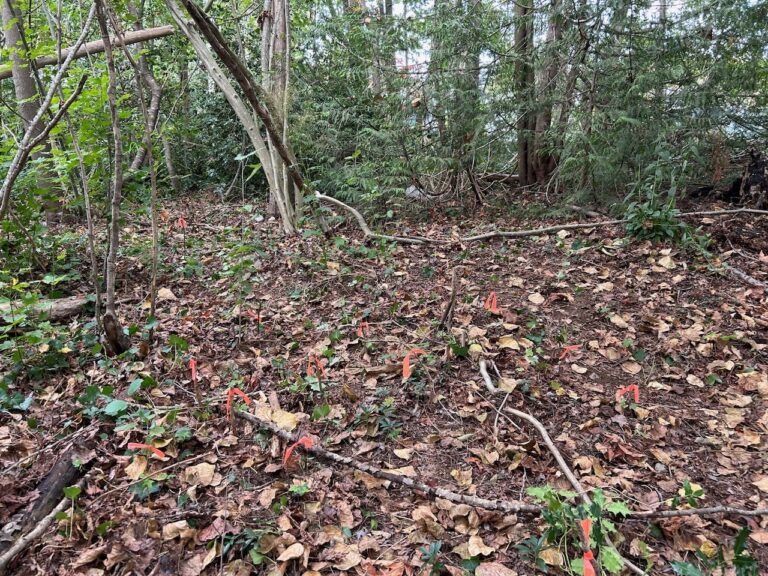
524, 84
260, 102
27, 97
275, 68
543, 158
116, 340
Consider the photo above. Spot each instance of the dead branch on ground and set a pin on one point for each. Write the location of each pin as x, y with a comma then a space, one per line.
500, 505
364, 225
21, 544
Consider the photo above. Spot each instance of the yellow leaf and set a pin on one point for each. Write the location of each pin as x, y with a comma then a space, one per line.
136, 468
551, 557
509, 342
292, 552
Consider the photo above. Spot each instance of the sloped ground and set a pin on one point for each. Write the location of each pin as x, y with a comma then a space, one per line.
579, 317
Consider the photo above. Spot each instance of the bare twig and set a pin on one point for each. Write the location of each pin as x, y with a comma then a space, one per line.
558, 458
501, 505
364, 226
712, 511
582, 225
30, 536
445, 320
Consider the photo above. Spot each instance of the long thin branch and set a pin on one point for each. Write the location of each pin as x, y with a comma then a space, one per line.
581, 225
711, 511
28, 140
364, 225
30, 536
501, 505
559, 459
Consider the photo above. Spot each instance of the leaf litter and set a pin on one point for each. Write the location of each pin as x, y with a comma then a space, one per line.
648, 369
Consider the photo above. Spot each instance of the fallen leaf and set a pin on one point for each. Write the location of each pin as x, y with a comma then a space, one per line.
762, 484
136, 468
536, 298
508, 342
617, 320
494, 569
631, 367
477, 547
200, 474
165, 294
292, 552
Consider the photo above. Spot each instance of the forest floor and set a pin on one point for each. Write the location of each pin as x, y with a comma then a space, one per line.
578, 317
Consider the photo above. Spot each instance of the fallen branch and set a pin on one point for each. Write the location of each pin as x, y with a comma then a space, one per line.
582, 225
712, 511
558, 458
500, 505
746, 278
95, 47
30, 536
364, 225
54, 310
585, 497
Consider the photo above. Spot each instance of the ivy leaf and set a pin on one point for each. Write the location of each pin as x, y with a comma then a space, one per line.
115, 407
619, 508
610, 560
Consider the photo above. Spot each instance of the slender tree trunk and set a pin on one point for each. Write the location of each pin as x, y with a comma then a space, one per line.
28, 98
275, 62
524, 84
113, 330
543, 158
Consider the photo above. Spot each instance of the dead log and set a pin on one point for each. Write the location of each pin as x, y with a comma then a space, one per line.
54, 310
96, 47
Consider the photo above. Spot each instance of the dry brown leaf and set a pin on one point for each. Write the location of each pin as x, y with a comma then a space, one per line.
267, 496
87, 556
136, 468
631, 367
617, 320
476, 547
552, 557
293, 552
200, 474
762, 484
759, 536
536, 298
508, 342
494, 569
165, 294
286, 420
